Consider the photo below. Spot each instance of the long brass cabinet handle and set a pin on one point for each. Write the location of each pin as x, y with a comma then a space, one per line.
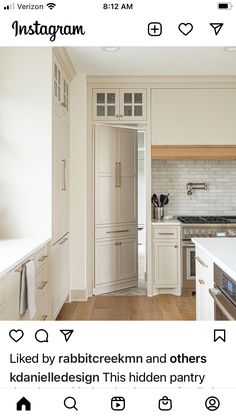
201, 261
119, 176
64, 175
116, 174
166, 234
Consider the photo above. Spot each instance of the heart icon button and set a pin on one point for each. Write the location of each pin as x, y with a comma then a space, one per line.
185, 28
16, 335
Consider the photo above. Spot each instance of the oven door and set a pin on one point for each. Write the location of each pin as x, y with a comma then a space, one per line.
224, 308
189, 267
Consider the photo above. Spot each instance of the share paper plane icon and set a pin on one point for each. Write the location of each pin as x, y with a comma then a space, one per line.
67, 334
217, 27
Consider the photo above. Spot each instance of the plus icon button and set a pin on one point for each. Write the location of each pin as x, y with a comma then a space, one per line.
154, 29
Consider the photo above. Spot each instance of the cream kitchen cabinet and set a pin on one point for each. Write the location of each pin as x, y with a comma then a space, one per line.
60, 286
42, 285
60, 86
116, 197
60, 175
10, 289
166, 259
193, 116
165, 264
119, 104
115, 175
204, 281
116, 264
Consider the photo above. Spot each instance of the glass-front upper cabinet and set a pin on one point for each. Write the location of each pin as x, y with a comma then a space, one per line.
60, 86
105, 104
119, 104
133, 104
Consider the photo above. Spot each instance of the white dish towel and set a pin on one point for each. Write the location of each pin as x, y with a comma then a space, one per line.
28, 290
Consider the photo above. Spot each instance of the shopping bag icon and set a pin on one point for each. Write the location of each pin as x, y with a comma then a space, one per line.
165, 403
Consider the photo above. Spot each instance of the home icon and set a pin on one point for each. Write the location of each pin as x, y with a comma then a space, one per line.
23, 404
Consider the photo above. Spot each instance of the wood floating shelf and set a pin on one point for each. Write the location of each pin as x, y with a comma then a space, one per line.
182, 152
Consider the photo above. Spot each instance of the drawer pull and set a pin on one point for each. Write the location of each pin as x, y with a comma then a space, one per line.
201, 261
118, 231
166, 234
42, 259
201, 281
44, 283
44, 317
63, 241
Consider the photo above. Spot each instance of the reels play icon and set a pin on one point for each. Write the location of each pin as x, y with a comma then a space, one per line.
118, 403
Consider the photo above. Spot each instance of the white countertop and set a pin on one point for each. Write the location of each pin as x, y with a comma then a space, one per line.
221, 250
15, 251
173, 222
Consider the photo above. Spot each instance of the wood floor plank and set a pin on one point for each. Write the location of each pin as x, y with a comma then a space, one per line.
161, 307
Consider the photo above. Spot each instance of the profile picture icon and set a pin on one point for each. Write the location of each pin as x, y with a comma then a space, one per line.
212, 403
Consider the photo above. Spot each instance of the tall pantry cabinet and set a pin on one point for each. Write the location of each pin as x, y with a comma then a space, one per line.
60, 200
116, 229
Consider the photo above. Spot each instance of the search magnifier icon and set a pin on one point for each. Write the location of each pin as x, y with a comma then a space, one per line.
70, 403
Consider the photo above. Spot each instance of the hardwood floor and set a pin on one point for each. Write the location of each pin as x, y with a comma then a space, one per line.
161, 307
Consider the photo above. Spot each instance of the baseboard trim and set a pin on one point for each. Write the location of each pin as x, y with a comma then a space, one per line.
79, 295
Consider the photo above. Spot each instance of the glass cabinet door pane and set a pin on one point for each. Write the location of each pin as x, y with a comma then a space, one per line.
127, 97
138, 98
111, 110
100, 97
138, 111
127, 110
111, 97
100, 110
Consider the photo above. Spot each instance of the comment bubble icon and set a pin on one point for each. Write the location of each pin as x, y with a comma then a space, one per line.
41, 335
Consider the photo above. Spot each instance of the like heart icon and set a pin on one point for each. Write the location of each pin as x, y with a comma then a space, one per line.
185, 28
16, 335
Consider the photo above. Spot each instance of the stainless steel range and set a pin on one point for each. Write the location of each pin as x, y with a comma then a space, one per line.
202, 226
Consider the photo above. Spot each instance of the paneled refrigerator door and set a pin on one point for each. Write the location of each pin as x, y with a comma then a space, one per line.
60, 175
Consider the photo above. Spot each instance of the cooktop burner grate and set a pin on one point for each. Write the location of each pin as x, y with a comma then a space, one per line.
204, 220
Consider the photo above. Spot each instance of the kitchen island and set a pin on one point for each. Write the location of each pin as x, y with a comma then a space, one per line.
222, 251
210, 252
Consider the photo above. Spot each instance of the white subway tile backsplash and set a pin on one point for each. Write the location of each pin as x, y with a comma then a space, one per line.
172, 175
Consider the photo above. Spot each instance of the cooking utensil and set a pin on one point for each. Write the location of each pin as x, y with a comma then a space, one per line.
156, 200
164, 199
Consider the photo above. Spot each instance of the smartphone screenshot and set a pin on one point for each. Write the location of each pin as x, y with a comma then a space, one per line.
117, 209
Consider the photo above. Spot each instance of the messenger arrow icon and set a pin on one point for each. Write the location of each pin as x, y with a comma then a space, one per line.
67, 334
217, 27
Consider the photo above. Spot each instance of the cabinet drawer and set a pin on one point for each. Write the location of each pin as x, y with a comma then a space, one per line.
40, 259
111, 232
165, 232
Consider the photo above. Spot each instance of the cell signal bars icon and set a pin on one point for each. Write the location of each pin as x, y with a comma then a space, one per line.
51, 5
9, 7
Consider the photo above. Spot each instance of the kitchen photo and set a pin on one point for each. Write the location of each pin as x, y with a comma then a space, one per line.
118, 183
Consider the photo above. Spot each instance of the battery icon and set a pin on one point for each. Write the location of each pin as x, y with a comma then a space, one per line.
225, 6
